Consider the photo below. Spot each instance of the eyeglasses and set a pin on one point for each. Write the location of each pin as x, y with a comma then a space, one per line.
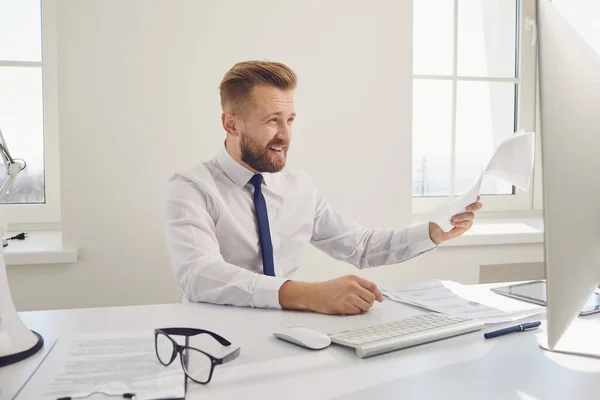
197, 364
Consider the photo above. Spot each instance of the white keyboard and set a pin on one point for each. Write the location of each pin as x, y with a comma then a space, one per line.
411, 331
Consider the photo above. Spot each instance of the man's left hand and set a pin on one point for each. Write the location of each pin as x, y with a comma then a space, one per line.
461, 222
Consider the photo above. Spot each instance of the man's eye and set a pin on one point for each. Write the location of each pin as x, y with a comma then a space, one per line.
272, 120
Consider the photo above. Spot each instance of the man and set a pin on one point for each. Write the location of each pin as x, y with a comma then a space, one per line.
236, 225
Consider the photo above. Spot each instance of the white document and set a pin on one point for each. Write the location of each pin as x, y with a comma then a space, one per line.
484, 295
113, 363
436, 296
512, 162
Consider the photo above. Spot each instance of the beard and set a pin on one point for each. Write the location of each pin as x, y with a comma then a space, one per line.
260, 158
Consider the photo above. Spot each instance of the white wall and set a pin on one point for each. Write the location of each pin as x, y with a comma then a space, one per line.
583, 16
138, 99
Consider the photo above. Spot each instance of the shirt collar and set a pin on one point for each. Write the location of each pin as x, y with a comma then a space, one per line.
235, 171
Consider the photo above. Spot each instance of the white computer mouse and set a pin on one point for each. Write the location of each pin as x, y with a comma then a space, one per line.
303, 336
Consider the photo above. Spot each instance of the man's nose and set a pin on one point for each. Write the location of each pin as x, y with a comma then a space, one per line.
285, 132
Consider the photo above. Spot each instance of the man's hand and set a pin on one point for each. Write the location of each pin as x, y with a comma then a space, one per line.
461, 222
346, 295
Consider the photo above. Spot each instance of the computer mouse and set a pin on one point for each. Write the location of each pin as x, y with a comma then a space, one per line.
303, 336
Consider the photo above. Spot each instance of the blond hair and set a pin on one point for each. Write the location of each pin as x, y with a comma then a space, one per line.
237, 84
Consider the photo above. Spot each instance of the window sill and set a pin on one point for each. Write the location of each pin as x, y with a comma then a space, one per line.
40, 247
501, 231
46, 247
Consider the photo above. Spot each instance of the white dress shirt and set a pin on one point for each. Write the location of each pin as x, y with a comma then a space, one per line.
212, 233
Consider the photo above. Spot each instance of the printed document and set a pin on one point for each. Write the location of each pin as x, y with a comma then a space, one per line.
454, 299
113, 363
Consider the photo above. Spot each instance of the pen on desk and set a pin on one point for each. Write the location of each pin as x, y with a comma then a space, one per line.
518, 328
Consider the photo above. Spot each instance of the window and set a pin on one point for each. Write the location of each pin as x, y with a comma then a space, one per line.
473, 86
21, 109
28, 112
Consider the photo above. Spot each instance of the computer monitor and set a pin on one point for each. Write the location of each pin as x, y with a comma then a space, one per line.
569, 79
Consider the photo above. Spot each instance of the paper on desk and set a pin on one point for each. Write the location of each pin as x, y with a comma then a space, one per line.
483, 295
436, 296
512, 162
114, 363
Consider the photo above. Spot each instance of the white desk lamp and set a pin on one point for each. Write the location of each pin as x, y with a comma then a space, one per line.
16, 341
12, 167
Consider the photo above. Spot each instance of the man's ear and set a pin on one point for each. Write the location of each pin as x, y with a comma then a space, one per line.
230, 123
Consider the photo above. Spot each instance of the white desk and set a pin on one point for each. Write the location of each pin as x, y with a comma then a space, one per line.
464, 367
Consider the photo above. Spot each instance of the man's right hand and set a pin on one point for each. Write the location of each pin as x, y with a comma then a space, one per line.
346, 295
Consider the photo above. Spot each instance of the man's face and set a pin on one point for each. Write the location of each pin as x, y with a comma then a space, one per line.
266, 128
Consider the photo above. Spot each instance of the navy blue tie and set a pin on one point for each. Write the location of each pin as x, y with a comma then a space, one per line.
264, 232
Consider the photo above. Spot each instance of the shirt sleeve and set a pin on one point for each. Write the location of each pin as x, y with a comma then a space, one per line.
365, 247
201, 271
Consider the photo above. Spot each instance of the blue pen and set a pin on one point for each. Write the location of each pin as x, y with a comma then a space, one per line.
518, 328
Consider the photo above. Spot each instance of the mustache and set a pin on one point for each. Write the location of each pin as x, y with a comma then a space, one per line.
279, 143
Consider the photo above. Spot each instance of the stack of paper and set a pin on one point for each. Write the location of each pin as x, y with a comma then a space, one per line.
111, 363
455, 299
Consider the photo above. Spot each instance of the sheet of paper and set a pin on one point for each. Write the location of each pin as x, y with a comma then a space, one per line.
434, 295
485, 296
512, 162
114, 363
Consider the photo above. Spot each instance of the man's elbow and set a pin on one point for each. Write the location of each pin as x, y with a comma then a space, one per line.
203, 289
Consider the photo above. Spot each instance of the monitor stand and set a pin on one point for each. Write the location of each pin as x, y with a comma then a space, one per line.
581, 338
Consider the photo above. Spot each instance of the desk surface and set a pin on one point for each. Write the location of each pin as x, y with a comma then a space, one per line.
464, 367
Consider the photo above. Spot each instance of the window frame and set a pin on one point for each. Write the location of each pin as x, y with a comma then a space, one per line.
525, 118
50, 211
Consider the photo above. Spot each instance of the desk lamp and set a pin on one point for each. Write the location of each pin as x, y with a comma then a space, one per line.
12, 167
16, 341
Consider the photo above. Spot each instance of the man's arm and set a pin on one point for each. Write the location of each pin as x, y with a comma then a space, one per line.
365, 247
200, 269
346, 295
